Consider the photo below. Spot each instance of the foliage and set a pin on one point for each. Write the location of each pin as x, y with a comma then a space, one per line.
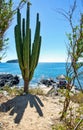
6, 15
73, 119
36, 91
77, 98
13, 91
75, 52
19, 91
59, 127
27, 53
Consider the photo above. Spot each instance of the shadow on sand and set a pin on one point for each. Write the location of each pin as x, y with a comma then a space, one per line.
19, 103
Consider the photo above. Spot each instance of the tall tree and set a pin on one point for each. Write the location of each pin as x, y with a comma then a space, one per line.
75, 52
6, 14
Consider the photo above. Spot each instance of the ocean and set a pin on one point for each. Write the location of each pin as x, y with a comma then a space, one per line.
43, 70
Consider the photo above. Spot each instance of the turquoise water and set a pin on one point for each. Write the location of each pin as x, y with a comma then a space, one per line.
49, 70
43, 70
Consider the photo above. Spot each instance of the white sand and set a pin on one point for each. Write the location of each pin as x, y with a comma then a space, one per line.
31, 112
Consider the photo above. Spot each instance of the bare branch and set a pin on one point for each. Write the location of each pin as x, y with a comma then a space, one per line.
78, 124
63, 13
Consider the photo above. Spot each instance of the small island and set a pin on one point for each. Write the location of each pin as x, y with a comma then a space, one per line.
12, 61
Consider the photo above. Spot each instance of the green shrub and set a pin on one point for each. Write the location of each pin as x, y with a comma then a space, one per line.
19, 91
36, 91
77, 98
59, 127
13, 91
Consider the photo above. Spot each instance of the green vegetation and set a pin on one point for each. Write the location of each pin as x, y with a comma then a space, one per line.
6, 15
73, 118
28, 54
19, 91
59, 127
13, 91
77, 98
36, 91
75, 52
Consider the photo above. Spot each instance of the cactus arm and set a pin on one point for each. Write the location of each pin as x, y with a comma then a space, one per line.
23, 29
35, 48
26, 56
28, 18
29, 48
18, 48
26, 45
36, 45
18, 41
38, 51
31, 75
19, 26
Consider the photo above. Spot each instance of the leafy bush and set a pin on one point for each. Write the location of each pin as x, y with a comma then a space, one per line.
13, 91
37, 91
77, 98
59, 127
19, 91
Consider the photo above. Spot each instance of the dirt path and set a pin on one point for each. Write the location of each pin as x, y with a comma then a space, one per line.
30, 112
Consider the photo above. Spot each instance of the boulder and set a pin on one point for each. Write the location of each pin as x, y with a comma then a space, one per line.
8, 79
47, 82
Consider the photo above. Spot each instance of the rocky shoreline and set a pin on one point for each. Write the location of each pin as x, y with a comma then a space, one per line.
8, 80
11, 80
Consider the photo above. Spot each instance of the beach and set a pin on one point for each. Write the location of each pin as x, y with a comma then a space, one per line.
31, 112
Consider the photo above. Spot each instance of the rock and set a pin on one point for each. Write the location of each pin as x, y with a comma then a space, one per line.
2, 82
47, 82
8, 79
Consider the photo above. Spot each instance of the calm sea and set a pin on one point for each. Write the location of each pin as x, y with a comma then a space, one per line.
43, 70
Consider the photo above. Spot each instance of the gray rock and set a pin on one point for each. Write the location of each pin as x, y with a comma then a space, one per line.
8, 79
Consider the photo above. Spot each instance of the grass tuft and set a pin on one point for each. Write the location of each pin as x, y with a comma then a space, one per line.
36, 91
77, 98
20, 91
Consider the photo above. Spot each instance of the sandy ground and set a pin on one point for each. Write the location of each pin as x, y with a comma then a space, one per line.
30, 112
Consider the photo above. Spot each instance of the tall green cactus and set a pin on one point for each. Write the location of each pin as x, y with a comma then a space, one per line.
28, 54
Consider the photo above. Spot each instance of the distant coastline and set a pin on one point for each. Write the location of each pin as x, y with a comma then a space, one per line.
12, 61
16, 61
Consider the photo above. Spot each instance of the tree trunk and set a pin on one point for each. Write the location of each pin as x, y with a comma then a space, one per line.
66, 102
66, 105
26, 85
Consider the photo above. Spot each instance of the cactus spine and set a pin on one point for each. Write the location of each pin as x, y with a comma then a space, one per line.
27, 56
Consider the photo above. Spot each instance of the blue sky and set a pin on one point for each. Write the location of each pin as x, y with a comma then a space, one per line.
53, 29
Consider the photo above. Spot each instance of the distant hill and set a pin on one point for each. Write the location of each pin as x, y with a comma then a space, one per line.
12, 61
